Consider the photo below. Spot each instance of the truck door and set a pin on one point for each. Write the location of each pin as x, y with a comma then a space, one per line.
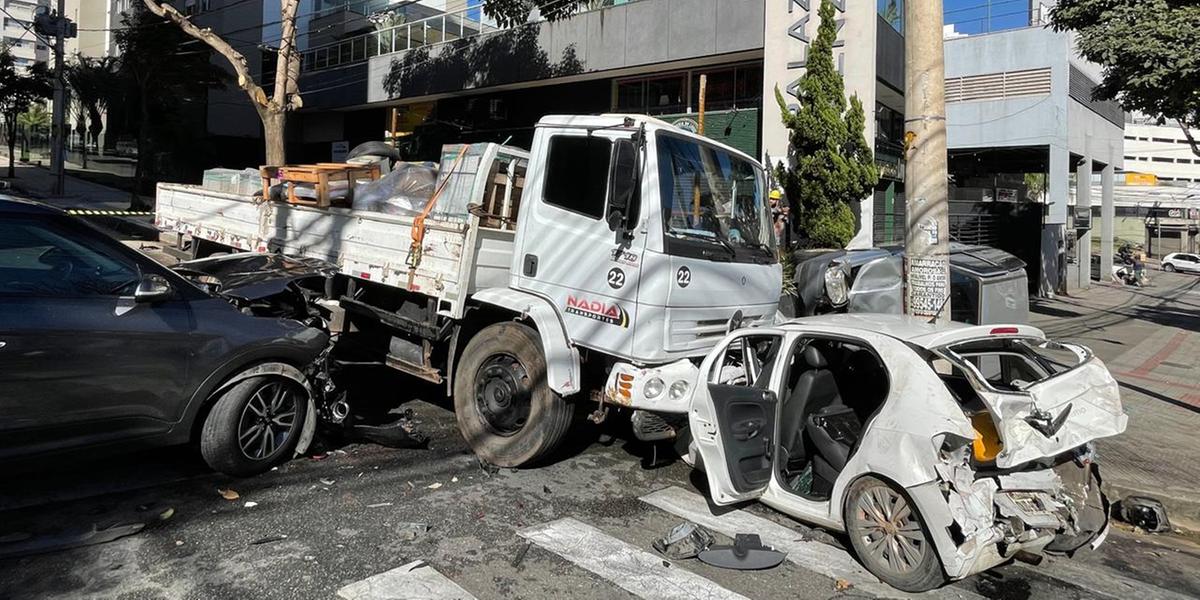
567, 251
733, 416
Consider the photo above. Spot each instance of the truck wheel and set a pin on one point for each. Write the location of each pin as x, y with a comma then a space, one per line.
506, 410
254, 425
889, 536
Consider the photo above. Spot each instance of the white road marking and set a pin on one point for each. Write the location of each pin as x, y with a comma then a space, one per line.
817, 557
414, 581
1104, 581
635, 571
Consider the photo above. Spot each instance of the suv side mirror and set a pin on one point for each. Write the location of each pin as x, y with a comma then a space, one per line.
153, 288
623, 182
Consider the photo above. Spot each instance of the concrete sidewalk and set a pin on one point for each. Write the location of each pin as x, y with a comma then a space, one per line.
37, 183
1150, 340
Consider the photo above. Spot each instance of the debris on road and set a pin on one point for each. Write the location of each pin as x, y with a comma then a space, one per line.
521, 552
228, 494
1144, 513
327, 481
397, 434
279, 537
746, 554
842, 585
25, 544
434, 486
250, 504
411, 531
685, 540
379, 505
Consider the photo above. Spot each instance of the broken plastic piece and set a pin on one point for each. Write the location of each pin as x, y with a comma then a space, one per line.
1145, 513
746, 554
685, 540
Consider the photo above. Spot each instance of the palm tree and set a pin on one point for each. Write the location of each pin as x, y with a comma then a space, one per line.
35, 118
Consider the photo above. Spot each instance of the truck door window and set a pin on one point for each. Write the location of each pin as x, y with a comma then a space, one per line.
577, 174
747, 361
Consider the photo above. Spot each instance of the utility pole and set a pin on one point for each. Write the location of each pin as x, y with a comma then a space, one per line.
59, 26
926, 240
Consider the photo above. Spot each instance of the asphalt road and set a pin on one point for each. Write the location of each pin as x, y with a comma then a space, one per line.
363, 510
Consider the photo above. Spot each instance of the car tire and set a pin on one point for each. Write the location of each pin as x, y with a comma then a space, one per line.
254, 425
881, 519
505, 408
1170, 268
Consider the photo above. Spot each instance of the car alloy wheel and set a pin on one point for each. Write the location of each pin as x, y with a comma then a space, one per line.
884, 522
1170, 268
268, 420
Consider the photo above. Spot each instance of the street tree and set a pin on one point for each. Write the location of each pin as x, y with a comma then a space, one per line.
1148, 49
162, 72
285, 96
18, 92
829, 164
93, 82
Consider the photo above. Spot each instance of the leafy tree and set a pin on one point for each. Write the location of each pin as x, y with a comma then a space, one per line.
18, 92
1149, 51
163, 72
94, 83
829, 164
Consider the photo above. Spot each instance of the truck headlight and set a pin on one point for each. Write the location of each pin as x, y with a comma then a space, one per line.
679, 389
654, 387
837, 286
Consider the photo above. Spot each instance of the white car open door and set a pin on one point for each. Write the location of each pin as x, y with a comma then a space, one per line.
733, 416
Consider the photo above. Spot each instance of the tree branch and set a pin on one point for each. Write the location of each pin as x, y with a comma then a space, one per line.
235, 58
1187, 133
286, 88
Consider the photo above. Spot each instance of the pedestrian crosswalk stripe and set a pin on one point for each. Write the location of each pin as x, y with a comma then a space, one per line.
818, 557
414, 581
1103, 581
635, 571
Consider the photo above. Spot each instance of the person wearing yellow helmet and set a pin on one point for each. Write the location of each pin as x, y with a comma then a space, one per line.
779, 215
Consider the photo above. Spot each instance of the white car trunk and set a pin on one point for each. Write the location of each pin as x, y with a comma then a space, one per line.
1046, 418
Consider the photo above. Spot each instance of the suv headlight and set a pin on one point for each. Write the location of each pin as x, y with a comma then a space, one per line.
654, 388
679, 389
837, 285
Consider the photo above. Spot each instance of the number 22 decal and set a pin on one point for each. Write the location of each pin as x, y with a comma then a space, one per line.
683, 277
616, 278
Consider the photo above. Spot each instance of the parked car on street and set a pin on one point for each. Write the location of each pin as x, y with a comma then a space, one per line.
102, 347
940, 450
987, 285
1183, 262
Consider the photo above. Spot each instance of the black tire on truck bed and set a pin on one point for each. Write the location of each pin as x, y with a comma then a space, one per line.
506, 411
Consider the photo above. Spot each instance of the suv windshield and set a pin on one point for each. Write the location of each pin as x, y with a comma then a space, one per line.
713, 202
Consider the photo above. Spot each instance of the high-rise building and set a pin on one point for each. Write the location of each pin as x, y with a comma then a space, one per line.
26, 47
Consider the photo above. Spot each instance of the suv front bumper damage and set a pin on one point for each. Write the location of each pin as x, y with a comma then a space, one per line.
986, 519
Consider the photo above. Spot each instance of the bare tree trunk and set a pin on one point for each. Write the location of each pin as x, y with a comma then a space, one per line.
143, 147
273, 134
12, 146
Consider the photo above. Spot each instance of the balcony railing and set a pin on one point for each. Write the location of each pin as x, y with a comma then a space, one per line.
427, 31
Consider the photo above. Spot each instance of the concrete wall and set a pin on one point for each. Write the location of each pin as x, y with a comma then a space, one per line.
637, 34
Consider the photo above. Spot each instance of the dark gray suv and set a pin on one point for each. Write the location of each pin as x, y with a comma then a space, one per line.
102, 347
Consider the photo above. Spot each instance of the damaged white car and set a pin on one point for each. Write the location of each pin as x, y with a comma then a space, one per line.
941, 451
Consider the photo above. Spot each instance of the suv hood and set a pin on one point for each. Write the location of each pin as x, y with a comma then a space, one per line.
253, 276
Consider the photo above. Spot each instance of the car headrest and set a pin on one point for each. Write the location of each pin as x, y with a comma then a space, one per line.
814, 359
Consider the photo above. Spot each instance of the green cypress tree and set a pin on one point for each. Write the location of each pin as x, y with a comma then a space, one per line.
829, 163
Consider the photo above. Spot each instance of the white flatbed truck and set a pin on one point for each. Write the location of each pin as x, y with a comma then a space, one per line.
617, 244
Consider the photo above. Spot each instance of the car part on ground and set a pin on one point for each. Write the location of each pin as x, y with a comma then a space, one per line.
1145, 513
685, 540
746, 554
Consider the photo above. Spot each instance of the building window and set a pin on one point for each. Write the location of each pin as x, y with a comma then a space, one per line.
892, 12
726, 88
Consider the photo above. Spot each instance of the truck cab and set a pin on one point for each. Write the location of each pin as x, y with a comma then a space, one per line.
645, 237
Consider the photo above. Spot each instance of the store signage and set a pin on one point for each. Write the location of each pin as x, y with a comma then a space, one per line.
799, 14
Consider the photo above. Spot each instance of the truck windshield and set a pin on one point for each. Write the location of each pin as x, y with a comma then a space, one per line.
713, 203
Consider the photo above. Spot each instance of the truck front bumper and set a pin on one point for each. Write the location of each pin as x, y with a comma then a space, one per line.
662, 389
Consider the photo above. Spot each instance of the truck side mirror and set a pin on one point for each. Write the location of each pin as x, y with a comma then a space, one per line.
623, 183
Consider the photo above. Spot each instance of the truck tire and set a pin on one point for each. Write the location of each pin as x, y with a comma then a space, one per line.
506, 411
254, 425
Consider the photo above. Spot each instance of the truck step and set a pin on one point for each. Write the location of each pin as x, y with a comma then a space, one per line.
652, 427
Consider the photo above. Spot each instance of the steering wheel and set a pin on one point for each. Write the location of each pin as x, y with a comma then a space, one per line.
60, 263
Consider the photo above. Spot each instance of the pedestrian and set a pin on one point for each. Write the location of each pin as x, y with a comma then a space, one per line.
779, 216
1139, 267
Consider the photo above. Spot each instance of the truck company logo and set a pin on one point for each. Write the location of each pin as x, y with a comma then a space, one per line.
612, 314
